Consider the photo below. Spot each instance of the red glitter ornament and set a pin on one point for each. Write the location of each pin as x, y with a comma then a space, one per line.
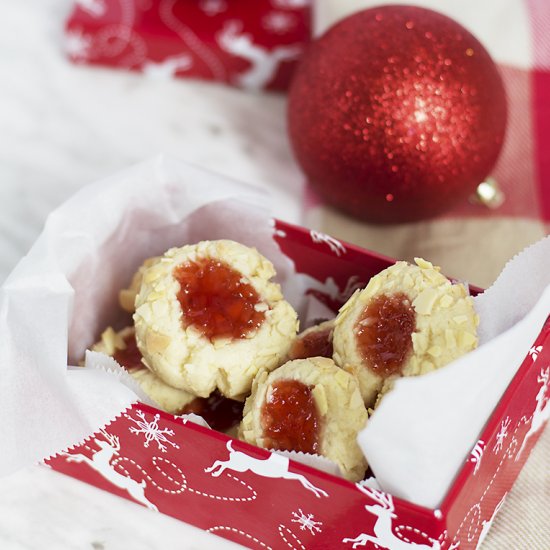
396, 114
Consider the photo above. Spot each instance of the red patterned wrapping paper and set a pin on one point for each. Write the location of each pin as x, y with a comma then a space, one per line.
253, 44
264, 500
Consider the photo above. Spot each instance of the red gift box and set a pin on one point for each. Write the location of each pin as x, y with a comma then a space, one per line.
253, 44
264, 500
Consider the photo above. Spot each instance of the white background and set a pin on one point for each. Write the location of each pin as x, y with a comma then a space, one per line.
62, 126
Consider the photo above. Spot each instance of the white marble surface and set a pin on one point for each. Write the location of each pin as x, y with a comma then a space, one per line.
63, 126
42, 509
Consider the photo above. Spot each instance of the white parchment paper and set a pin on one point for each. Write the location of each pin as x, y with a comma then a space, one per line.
63, 294
421, 434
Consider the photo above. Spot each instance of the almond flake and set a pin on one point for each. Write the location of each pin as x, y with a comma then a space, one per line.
126, 299
152, 274
425, 301
423, 264
467, 339
420, 342
408, 280
320, 397
156, 342
450, 338
435, 351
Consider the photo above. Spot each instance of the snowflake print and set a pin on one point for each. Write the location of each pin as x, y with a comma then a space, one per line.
278, 22
77, 44
477, 454
502, 434
336, 246
152, 431
307, 522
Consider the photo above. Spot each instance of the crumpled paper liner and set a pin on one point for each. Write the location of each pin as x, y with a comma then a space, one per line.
101, 361
420, 435
195, 419
106, 363
64, 293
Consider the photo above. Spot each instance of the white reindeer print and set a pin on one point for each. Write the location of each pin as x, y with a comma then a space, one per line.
486, 524
477, 454
541, 412
329, 292
264, 63
167, 68
275, 466
101, 463
384, 536
334, 244
534, 352
189, 37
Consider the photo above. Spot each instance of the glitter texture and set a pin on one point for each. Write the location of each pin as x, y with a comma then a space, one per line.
396, 113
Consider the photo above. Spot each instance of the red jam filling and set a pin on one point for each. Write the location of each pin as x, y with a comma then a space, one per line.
317, 343
290, 419
383, 333
216, 301
220, 412
130, 356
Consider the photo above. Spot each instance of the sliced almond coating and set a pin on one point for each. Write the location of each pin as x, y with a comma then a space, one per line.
467, 339
425, 301
460, 319
126, 299
420, 342
174, 333
424, 264
156, 342
435, 351
442, 311
320, 397
450, 338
